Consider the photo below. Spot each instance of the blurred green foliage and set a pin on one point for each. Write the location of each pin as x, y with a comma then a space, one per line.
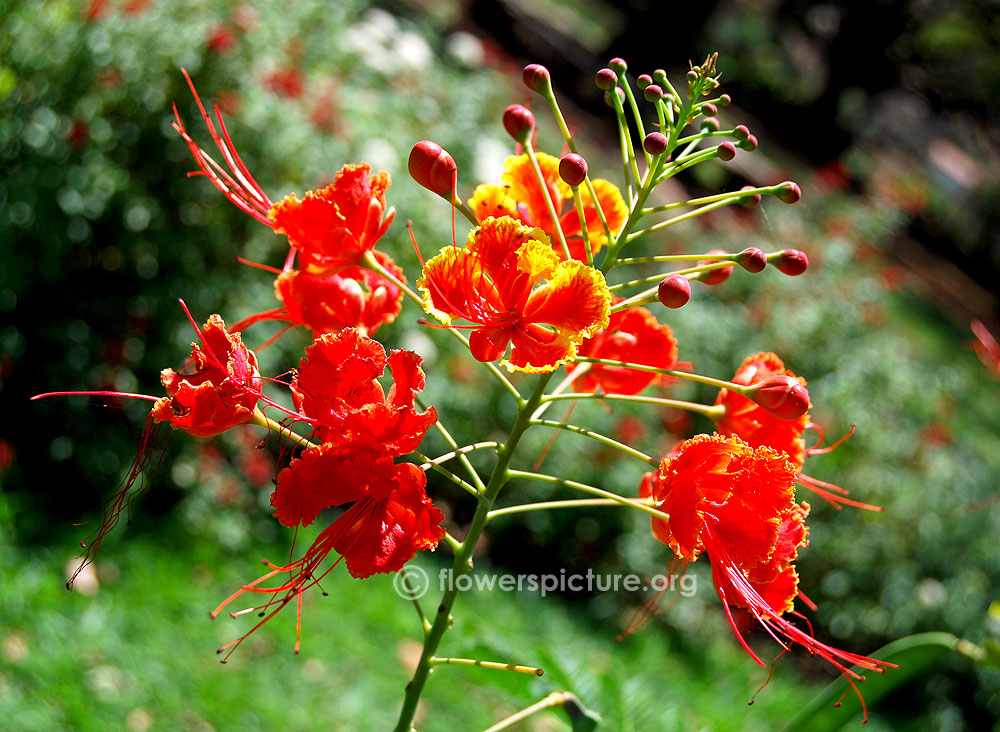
101, 232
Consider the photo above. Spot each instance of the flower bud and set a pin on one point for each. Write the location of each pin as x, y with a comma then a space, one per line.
655, 143
789, 192
715, 276
618, 65
710, 123
792, 262
652, 92
749, 201
643, 81
726, 151
433, 168
749, 144
537, 78
660, 77
674, 291
519, 122
724, 100
781, 396
573, 169
606, 79
741, 133
621, 97
709, 109
752, 259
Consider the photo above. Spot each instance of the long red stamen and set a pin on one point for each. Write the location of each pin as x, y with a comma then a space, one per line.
95, 393
833, 494
817, 450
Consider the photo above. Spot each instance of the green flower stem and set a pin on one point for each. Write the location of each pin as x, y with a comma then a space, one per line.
578, 203
595, 491
549, 505
371, 263
574, 373
635, 115
738, 388
598, 437
657, 278
459, 451
683, 163
679, 258
548, 200
677, 219
487, 664
713, 412
453, 444
463, 209
471, 490
261, 419
555, 699
424, 622
463, 556
454, 543
736, 196
629, 163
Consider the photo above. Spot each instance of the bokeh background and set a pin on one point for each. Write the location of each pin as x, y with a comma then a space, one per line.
885, 112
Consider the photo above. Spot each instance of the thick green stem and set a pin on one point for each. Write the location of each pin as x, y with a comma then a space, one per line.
463, 556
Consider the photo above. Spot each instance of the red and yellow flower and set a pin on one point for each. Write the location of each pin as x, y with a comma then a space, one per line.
522, 198
632, 336
509, 283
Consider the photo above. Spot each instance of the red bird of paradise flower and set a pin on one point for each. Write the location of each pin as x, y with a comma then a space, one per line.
496, 283
331, 229
759, 427
735, 503
521, 198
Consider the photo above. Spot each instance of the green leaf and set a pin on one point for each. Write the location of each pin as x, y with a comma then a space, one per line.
912, 654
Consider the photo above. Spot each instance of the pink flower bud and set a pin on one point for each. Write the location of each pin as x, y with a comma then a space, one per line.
781, 396
573, 169
724, 100
655, 143
674, 291
537, 78
660, 77
792, 262
750, 201
709, 109
741, 133
652, 92
715, 276
519, 122
752, 259
618, 65
749, 144
726, 151
789, 192
643, 81
621, 97
606, 79
710, 123
433, 168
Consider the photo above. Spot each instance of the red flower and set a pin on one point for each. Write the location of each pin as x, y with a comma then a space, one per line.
736, 504
337, 387
222, 391
391, 519
354, 298
288, 82
753, 423
521, 197
495, 282
633, 336
331, 229
759, 427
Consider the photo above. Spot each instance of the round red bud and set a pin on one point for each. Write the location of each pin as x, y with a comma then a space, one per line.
781, 396
752, 259
643, 81
749, 144
573, 169
741, 133
674, 291
789, 192
715, 276
606, 79
519, 122
618, 65
709, 109
660, 77
652, 92
655, 143
724, 100
749, 201
433, 167
710, 123
792, 262
537, 78
726, 151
